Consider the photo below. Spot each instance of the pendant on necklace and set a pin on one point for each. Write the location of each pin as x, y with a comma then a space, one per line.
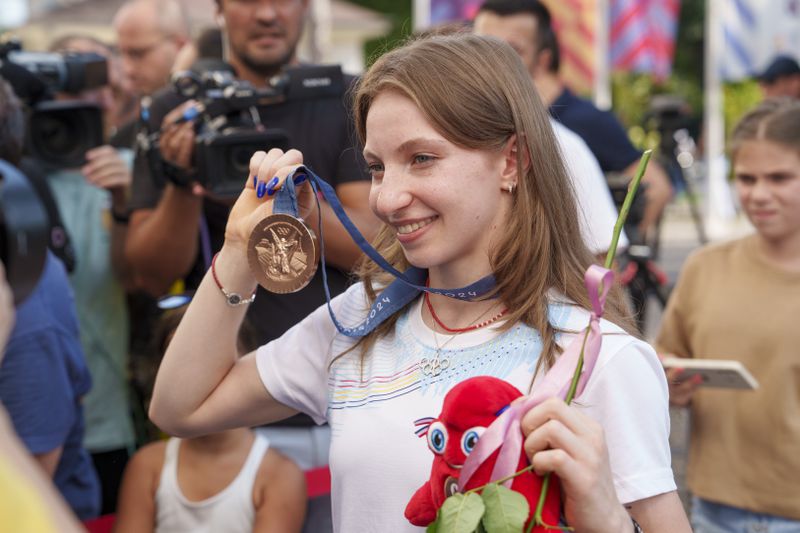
434, 367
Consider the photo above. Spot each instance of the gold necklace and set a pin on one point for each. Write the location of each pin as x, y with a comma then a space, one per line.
437, 365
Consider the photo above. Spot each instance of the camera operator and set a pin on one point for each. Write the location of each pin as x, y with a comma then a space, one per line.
44, 377
162, 243
92, 202
163, 246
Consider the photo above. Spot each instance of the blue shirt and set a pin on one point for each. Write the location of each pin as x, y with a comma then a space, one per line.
42, 379
600, 130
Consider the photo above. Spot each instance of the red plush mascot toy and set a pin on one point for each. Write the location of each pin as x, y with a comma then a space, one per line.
468, 409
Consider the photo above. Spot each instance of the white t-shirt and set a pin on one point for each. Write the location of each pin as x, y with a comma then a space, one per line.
595, 204
377, 462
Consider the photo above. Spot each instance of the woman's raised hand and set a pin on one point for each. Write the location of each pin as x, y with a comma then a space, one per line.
268, 171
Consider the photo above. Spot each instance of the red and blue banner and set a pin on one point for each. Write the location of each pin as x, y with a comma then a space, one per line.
642, 36
443, 11
642, 33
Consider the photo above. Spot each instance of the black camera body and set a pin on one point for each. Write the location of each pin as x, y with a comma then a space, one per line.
668, 114
59, 132
23, 231
229, 127
69, 72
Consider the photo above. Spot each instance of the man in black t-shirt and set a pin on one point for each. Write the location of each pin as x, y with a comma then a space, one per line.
163, 244
166, 240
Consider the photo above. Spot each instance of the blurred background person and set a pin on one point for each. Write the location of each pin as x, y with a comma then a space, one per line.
781, 78
28, 501
231, 481
527, 26
150, 33
739, 300
92, 202
116, 98
43, 377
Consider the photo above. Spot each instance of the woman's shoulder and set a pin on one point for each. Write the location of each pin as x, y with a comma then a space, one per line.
616, 341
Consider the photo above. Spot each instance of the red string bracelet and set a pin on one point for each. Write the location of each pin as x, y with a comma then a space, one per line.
234, 299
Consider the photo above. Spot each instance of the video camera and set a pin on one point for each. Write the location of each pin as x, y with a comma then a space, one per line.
669, 115
229, 127
23, 232
58, 133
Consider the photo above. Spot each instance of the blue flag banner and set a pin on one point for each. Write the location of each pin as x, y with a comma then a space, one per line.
754, 31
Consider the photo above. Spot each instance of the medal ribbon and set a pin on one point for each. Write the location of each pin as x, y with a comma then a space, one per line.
505, 432
396, 295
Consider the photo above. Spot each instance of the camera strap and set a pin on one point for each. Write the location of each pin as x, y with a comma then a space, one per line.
403, 290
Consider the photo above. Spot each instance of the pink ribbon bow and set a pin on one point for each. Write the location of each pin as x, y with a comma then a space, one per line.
505, 432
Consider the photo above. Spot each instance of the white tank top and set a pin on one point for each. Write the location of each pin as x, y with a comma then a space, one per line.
230, 510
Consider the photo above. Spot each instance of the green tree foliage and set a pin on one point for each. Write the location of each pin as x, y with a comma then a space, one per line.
399, 11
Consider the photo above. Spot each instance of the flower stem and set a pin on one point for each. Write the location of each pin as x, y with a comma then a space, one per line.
612, 252
501, 480
626, 207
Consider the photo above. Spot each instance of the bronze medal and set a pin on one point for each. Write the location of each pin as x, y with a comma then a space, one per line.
282, 253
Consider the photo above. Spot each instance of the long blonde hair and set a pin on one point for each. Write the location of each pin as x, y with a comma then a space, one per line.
476, 93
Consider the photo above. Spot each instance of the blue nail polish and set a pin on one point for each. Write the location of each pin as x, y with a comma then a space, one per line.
255, 181
260, 190
271, 186
300, 179
190, 113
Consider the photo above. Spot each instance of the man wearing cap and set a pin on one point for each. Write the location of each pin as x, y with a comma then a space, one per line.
781, 78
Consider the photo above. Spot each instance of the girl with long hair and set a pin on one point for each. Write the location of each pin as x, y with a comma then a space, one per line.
468, 181
739, 300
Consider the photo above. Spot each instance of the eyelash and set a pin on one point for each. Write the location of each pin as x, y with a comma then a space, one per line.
428, 158
374, 168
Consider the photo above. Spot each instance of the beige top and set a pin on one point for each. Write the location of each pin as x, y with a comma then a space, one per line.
745, 445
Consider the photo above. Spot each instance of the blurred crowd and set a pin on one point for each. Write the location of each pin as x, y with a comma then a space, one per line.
138, 172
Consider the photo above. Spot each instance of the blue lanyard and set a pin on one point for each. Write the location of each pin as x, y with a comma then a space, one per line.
403, 290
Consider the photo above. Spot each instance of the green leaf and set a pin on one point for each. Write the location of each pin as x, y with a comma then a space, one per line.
460, 513
506, 510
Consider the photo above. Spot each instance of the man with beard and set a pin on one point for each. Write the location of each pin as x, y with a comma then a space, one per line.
176, 227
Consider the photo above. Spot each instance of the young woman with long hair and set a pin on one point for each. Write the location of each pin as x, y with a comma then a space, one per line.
468, 181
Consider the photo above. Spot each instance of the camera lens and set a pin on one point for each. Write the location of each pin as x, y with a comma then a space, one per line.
239, 159
60, 133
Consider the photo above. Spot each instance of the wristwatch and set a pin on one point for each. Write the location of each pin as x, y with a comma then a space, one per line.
636, 527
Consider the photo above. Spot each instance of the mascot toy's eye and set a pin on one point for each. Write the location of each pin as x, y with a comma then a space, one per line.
437, 438
470, 438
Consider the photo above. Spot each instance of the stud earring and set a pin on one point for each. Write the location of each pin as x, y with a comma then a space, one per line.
510, 188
